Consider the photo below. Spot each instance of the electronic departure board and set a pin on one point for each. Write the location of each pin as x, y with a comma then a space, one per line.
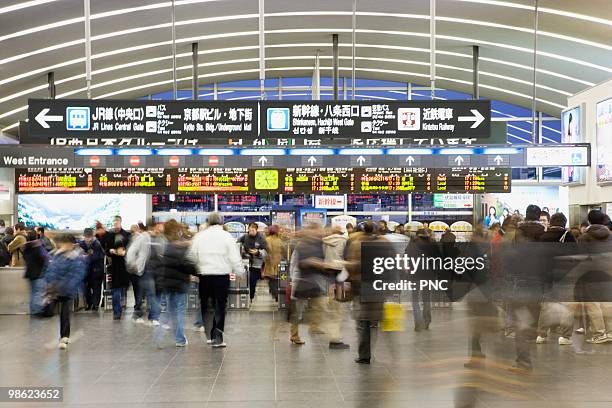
212, 179
135, 180
319, 180
473, 180
394, 180
65, 180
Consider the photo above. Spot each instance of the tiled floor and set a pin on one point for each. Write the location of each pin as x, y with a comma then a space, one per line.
117, 364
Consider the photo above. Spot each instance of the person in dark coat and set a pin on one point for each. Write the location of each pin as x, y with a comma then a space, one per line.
172, 278
528, 283
94, 254
36, 259
367, 314
116, 241
253, 247
422, 245
555, 233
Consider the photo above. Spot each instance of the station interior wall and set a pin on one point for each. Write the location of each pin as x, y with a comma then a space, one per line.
591, 193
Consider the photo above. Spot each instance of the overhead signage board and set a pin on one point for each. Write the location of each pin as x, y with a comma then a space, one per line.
83, 122
137, 122
328, 181
391, 119
558, 156
213, 179
394, 180
50, 180
473, 180
316, 180
130, 180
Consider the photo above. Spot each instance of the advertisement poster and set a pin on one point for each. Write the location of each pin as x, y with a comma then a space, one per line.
571, 132
313, 216
80, 211
285, 219
603, 119
496, 207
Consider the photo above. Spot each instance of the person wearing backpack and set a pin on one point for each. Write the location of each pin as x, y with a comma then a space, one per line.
63, 277
16, 246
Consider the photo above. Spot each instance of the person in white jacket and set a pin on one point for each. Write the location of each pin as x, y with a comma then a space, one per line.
216, 256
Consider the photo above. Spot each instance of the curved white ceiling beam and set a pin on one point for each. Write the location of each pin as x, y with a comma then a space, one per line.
244, 48
67, 22
23, 5
243, 71
548, 10
248, 16
245, 60
252, 47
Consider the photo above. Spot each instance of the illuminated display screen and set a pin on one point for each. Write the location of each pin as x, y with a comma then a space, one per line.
212, 179
394, 180
54, 180
314, 180
134, 180
473, 180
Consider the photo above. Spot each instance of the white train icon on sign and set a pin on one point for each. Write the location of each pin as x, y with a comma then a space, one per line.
77, 118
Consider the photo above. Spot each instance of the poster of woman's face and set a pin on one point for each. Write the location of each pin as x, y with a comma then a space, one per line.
571, 132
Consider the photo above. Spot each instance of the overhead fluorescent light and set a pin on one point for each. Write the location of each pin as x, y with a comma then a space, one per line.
313, 152
365, 152
94, 152
263, 152
449, 151
394, 151
174, 152
134, 152
216, 152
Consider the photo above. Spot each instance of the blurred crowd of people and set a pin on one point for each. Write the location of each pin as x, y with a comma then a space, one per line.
159, 261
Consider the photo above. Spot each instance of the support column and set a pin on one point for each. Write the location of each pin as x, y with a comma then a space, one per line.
335, 65
354, 36
194, 81
262, 51
432, 46
316, 79
87, 12
174, 87
535, 64
280, 88
475, 72
51, 86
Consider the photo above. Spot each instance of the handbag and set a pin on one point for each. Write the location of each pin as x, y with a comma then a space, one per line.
342, 292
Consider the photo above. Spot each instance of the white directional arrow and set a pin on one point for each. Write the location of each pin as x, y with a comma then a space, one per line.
312, 160
410, 160
361, 160
42, 118
477, 118
459, 160
263, 160
498, 160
